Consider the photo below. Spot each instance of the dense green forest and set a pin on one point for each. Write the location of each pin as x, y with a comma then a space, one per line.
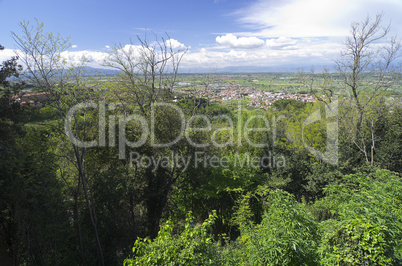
123, 170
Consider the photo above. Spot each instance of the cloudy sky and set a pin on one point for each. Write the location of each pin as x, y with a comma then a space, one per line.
218, 33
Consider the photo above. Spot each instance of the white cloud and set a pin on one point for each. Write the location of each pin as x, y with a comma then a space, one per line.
295, 18
97, 59
313, 18
274, 52
92, 58
174, 44
270, 52
281, 43
6, 54
230, 40
133, 50
294, 32
74, 46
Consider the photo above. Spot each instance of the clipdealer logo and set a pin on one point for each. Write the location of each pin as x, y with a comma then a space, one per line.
331, 150
148, 134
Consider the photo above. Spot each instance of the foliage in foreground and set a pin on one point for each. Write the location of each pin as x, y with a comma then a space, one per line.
365, 228
286, 235
193, 246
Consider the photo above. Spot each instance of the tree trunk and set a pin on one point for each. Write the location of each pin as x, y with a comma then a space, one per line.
90, 205
77, 220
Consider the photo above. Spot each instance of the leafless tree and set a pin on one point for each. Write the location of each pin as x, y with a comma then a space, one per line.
366, 71
148, 70
368, 54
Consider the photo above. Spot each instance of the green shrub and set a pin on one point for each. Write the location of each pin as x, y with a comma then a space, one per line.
193, 246
355, 242
366, 224
286, 235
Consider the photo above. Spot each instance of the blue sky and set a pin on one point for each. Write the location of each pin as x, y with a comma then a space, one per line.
219, 33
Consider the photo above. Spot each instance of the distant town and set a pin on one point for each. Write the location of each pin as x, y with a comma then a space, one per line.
218, 92
256, 97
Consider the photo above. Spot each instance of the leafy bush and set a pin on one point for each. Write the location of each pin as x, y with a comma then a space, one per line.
366, 224
357, 242
193, 246
286, 235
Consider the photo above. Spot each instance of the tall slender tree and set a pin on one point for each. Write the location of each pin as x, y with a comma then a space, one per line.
41, 53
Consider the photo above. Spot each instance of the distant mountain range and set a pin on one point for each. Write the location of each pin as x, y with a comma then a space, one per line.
257, 69
250, 69
91, 71
229, 69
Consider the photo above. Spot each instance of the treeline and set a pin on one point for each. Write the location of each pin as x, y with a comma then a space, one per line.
86, 180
